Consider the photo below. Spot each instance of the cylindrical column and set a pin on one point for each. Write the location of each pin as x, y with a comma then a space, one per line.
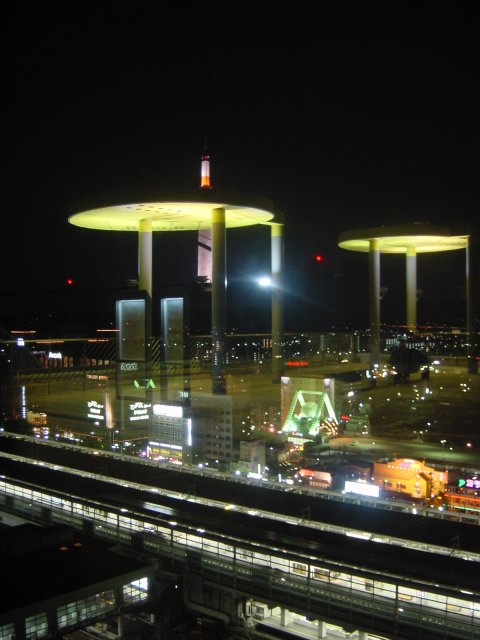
374, 293
145, 284
471, 288
277, 301
145, 256
219, 296
411, 279
120, 625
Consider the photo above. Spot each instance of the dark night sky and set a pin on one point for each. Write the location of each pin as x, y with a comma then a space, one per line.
343, 119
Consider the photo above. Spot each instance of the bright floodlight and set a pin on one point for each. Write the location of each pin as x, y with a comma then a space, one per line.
265, 281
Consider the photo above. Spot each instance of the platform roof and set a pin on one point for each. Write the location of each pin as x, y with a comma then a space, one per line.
177, 212
421, 237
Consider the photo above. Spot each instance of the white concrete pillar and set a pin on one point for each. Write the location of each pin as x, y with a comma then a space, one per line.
471, 288
322, 629
219, 295
362, 635
411, 280
374, 300
145, 256
277, 301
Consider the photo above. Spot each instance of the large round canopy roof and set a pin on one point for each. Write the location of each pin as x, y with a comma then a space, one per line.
421, 237
183, 213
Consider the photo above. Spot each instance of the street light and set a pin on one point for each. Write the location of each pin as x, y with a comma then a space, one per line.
443, 443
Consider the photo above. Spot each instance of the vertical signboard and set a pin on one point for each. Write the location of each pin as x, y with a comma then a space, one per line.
133, 368
131, 330
173, 328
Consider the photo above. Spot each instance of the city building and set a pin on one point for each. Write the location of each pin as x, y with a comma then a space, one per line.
170, 434
307, 410
198, 431
252, 453
409, 477
212, 429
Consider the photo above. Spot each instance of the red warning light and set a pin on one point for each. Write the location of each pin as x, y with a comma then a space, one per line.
69, 282
318, 258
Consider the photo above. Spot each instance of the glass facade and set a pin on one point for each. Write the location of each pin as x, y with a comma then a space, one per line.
7, 631
99, 604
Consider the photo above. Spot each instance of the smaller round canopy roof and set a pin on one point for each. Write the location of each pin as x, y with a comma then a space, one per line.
421, 237
186, 212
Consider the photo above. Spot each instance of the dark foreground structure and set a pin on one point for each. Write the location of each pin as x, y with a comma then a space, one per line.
55, 578
238, 547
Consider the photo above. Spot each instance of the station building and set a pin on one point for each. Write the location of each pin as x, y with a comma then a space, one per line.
64, 581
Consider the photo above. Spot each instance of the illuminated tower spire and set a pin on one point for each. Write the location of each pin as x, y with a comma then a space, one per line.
205, 171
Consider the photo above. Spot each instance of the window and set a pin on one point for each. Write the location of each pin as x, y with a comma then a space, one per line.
36, 626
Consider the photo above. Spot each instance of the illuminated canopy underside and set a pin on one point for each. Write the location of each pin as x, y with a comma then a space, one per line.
421, 238
169, 216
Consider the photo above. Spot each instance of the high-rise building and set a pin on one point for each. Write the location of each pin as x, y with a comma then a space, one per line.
212, 428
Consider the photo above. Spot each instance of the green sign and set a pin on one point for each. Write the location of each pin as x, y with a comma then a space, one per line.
144, 383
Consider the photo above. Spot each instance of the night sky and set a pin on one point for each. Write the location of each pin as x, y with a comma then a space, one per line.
343, 120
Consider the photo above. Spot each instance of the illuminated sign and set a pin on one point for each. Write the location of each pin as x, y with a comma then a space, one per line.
95, 410
23, 401
176, 447
307, 473
140, 411
144, 383
171, 411
362, 488
54, 355
297, 363
407, 463
469, 483
128, 366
